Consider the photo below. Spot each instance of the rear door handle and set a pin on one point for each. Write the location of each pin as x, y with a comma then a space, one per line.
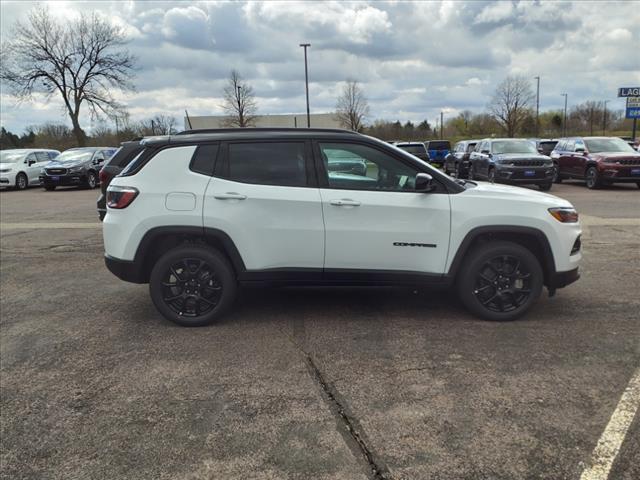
230, 196
345, 202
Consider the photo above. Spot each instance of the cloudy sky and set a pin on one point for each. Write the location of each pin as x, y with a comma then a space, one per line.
413, 59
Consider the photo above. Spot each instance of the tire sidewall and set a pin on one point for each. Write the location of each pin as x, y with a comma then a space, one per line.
224, 273
474, 262
21, 185
92, 175
596, 180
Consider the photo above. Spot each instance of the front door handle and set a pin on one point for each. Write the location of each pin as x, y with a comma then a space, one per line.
345, 202
230, 196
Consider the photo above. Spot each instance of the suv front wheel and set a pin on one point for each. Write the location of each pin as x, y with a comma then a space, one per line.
500, 282
192, 285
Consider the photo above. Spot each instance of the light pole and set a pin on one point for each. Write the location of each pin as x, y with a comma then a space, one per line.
441, 124
564, 118
537, 107
306, 80
604, 117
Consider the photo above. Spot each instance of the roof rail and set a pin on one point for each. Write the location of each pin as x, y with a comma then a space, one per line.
262, 129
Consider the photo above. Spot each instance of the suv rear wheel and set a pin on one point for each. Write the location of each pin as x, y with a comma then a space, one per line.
192, 285
501, 281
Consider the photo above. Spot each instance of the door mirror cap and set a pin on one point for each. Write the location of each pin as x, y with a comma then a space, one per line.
31, 162
424, 183
485, 152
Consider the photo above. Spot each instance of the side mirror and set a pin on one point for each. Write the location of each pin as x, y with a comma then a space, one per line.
485, 152
424, 182
540, 150
31, 162
581, 151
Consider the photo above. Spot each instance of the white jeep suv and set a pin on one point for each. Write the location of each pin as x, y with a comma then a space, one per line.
197, 214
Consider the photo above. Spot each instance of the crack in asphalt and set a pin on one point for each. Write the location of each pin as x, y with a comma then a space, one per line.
356, 436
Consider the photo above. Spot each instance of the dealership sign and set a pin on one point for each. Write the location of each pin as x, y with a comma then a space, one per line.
629, 92
633, 107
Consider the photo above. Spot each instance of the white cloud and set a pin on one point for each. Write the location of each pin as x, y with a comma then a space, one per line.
496, 12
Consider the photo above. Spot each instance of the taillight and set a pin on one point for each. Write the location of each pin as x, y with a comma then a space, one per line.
102, 175
120, 197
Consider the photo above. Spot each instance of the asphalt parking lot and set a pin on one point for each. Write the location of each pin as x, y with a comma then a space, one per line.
307, 383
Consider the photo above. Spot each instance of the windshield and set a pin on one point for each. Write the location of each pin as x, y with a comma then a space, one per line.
598, 145
73, 156
415, 148
513, 146
439, 145
11, 157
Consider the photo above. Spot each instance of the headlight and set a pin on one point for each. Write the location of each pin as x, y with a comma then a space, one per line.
564, 214
42, 172
75, 169
5, 170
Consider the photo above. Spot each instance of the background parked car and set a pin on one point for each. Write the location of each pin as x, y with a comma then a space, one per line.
417, 149
509, 160
633, 142
545, 146
598, 161
21, 167
457, 161
112, 167
438, 150
76, 166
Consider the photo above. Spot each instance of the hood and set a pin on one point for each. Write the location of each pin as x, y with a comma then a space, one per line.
506, 192
55, 164
615, 155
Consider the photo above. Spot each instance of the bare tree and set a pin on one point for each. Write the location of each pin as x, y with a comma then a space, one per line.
239, 102
159, 125
511, 103
81, 60
352, 107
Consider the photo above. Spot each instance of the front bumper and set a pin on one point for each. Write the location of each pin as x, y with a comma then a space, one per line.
524, 175
620, 174
562, 279
68, 180
7, 180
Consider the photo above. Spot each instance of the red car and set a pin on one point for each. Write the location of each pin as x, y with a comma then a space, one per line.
599, 161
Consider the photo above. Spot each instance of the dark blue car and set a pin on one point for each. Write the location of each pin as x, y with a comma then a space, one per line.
438, 150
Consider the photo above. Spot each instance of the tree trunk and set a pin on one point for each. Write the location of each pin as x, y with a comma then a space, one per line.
81, 137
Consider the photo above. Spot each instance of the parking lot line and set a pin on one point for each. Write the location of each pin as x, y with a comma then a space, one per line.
46, 225
611, 440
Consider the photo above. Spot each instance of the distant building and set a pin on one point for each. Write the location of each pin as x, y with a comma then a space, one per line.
298, 120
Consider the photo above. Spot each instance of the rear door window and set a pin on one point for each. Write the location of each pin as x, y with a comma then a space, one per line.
204, 159
269, 163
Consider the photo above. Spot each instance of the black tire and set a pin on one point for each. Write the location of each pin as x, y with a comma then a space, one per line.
545, 187
458, 174
49, 188
22, 182
192, 285
556, 174
638, 184
92, 180
592, 178
472, 172
500, 282
491, 176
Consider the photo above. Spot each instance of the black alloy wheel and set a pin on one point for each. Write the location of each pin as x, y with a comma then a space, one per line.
472, 172
21, 181
192, 285
492, 175
592, 178
92, 180
501, 282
